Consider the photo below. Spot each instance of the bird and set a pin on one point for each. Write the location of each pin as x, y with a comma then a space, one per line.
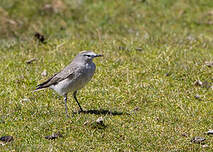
73, 77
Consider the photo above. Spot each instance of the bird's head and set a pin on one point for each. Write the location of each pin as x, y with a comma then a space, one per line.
88, 55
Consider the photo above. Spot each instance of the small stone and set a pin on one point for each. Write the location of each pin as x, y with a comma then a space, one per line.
122, 48
198, 83
100, 120
55, 7
205, 146
210, 13
157, 119
209, 64
190, 38
198, 140
25, 100
31, 60
12, 22
44, 73
136, 109
2, 143
206, 85
184, 134
86, 122
139, 49
197, 97
47, 7
6, 138
210, 132
98, 124
54, 136
39, 37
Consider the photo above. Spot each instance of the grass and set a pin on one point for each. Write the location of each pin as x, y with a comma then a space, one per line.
154, 51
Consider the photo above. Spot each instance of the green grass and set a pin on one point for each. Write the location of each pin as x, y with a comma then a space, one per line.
155, 84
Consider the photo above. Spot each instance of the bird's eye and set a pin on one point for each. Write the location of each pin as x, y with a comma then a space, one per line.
87, 55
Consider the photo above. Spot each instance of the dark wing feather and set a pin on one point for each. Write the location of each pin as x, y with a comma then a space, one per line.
56, 78
46, 83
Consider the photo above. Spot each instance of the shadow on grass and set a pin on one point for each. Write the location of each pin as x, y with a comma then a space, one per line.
101, 112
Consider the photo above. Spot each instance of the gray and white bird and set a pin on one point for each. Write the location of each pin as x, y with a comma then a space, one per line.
73, 77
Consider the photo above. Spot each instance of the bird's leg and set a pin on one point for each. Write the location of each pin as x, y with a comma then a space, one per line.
74, 95
65, 102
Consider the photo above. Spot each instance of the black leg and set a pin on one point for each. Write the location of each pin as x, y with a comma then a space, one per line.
74, 95
65, 102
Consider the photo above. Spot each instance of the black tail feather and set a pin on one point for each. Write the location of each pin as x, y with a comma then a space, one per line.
38, 87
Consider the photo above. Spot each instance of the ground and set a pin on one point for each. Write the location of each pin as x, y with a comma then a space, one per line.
154, 52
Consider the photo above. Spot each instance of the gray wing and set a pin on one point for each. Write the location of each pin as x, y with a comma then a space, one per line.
67, 72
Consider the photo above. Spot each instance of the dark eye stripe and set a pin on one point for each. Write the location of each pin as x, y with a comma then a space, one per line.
87, 55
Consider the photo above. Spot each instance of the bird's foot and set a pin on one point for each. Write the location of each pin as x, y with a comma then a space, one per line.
81, 111
67, 115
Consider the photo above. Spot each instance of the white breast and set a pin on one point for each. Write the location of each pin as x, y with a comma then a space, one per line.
81, 78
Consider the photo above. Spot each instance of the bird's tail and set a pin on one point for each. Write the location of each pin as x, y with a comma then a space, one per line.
40, 87
37, 88
43, 85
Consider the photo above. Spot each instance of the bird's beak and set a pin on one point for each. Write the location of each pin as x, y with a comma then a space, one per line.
99, 55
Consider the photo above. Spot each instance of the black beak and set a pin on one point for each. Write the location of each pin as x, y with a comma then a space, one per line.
99, 55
